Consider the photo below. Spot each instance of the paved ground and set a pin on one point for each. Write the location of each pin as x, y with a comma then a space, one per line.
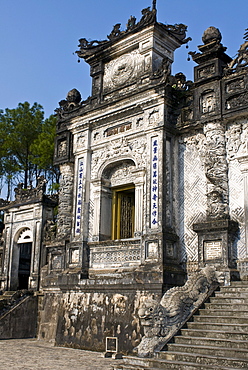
30, 354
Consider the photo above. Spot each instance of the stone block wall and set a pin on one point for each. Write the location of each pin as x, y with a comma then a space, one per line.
20, 321
84, 319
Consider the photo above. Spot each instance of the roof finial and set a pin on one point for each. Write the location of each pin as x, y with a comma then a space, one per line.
154, 4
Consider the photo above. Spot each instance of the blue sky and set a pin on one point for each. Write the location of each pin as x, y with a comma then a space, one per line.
38, 38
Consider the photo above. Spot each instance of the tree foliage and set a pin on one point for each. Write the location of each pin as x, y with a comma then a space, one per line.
26, 145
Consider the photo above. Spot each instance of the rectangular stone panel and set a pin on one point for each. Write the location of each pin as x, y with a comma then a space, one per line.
212, 250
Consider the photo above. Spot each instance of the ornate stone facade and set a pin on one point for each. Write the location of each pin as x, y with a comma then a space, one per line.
154, 182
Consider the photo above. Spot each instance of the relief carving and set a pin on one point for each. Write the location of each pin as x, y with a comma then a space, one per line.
153, 116
216, 171
243, 148
237, 101
119, 148
207, 71
235, 86
121, 70
208, 102
233, 137
120, 174
65, 201
62, 149
81, 140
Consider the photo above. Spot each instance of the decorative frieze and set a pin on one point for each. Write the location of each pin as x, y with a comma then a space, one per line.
206, 71
237, 101
234, 86
117, 149
114, 256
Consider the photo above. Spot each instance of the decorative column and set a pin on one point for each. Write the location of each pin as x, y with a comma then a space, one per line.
216, 233
65, 201
243, 263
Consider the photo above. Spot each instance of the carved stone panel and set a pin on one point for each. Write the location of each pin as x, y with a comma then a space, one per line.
122, 70
208, 102
212, 250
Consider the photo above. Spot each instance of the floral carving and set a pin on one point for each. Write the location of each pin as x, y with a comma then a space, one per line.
119, 148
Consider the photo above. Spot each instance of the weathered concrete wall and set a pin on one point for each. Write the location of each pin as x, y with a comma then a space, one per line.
85, 319
20, 321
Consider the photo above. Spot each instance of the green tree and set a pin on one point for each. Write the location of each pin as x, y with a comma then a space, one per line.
26, 145
21, 127
43, 150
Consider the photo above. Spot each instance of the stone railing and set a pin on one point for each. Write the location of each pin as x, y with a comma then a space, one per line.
162, 321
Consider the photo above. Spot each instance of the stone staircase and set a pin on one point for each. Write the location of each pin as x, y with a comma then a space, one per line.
217, 338
5, 300
18, 314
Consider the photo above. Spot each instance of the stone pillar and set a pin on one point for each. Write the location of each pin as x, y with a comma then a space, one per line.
243, 263
244, 169
65, 201
97, 204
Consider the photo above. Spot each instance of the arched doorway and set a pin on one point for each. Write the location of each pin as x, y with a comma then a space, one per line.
21, 260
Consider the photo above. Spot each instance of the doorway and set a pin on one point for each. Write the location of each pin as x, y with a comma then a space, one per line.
24, 265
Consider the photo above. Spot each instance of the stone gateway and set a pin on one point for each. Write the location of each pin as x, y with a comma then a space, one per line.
153, 192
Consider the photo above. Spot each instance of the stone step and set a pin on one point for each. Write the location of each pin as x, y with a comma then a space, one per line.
205, 359
217, 312
234, 301
170, 365
219, 334
226, 306
233, 289
3, 298
218, 342
9, 293
135, 363
231, 295
241, 328
221, 319
238, 353
238, 283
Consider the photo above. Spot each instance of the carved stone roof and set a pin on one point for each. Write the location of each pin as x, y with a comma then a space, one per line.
30, 195
149, 17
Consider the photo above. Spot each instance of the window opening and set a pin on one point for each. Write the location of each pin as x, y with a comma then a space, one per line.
123, 201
